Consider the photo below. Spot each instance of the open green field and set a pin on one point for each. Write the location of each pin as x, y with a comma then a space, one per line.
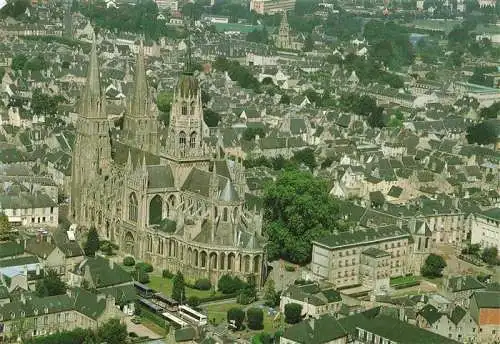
164, 285
217, 313
403, 280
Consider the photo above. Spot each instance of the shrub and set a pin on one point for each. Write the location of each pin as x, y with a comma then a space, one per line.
255, 318
293, 313
228, 284
202, 284
129, 261
237, 315
146, 267
244, 299
193, 301
289, 268
167, 274
141, 276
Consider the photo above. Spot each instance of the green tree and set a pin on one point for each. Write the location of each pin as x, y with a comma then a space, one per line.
299, 209
271, 297
489, 255
211, 118
490, 112
285, 99
178, 287
236, 317
248, 293
293, 313
129, 261
36, 63
18, 62
483, 133
229, 284
14, 8
164, 101
4, 225
112, 332
433, 266
250, 133
92, 244
255, 318
308, 43
306, 157
193, 301
50, 285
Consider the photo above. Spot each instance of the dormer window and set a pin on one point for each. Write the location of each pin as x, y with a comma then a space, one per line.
46, 310
35, 311
12, 315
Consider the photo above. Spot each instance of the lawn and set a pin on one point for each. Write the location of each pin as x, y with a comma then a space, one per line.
217, 313
154, 327
164, 285
403, 280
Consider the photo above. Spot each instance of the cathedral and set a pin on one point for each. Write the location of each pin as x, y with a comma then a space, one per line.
166, 196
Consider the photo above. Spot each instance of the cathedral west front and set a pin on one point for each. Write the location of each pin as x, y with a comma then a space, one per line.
164, 195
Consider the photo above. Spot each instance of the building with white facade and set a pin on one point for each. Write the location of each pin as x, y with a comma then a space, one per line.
485, 228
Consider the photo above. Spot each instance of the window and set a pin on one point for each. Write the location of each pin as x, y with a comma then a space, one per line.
182, 139
52, 210
132, 207
184, 109
192, 140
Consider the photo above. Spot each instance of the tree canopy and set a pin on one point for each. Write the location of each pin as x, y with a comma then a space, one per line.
92, 244
299, 209
112, 332
293, 313
50, 285
433, 266
483, 133
178, 288
4, 225
236, 316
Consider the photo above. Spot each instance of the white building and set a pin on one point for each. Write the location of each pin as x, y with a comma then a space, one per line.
485, 228
29, 209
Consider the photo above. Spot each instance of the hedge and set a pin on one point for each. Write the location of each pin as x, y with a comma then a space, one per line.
218, 297
406, 285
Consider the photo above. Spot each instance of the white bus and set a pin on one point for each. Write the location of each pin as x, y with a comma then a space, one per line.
192, 315
172, 318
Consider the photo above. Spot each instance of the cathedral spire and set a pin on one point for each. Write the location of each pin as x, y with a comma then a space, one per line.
92, 98
140, 97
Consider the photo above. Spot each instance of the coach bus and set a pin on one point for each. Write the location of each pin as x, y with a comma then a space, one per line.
173, 319
150, 306
165, 302
192, 315
144, 290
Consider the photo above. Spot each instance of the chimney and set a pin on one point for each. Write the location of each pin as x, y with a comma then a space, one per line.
38, 269
49, 238
22, 299
311, 323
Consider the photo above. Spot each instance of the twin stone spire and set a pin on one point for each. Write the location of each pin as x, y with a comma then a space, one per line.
94, 98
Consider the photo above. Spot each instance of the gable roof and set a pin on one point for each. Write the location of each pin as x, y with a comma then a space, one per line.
316, 331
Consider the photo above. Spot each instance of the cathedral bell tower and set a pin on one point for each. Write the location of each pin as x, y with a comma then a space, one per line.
284, 39
92, 151
185, 145
140, 125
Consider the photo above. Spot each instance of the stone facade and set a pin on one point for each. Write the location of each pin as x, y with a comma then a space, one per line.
366, 256
163, 195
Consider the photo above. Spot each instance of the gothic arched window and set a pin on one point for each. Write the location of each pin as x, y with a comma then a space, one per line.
133, 211
182, 139
192, 140
192, 108
184, 109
